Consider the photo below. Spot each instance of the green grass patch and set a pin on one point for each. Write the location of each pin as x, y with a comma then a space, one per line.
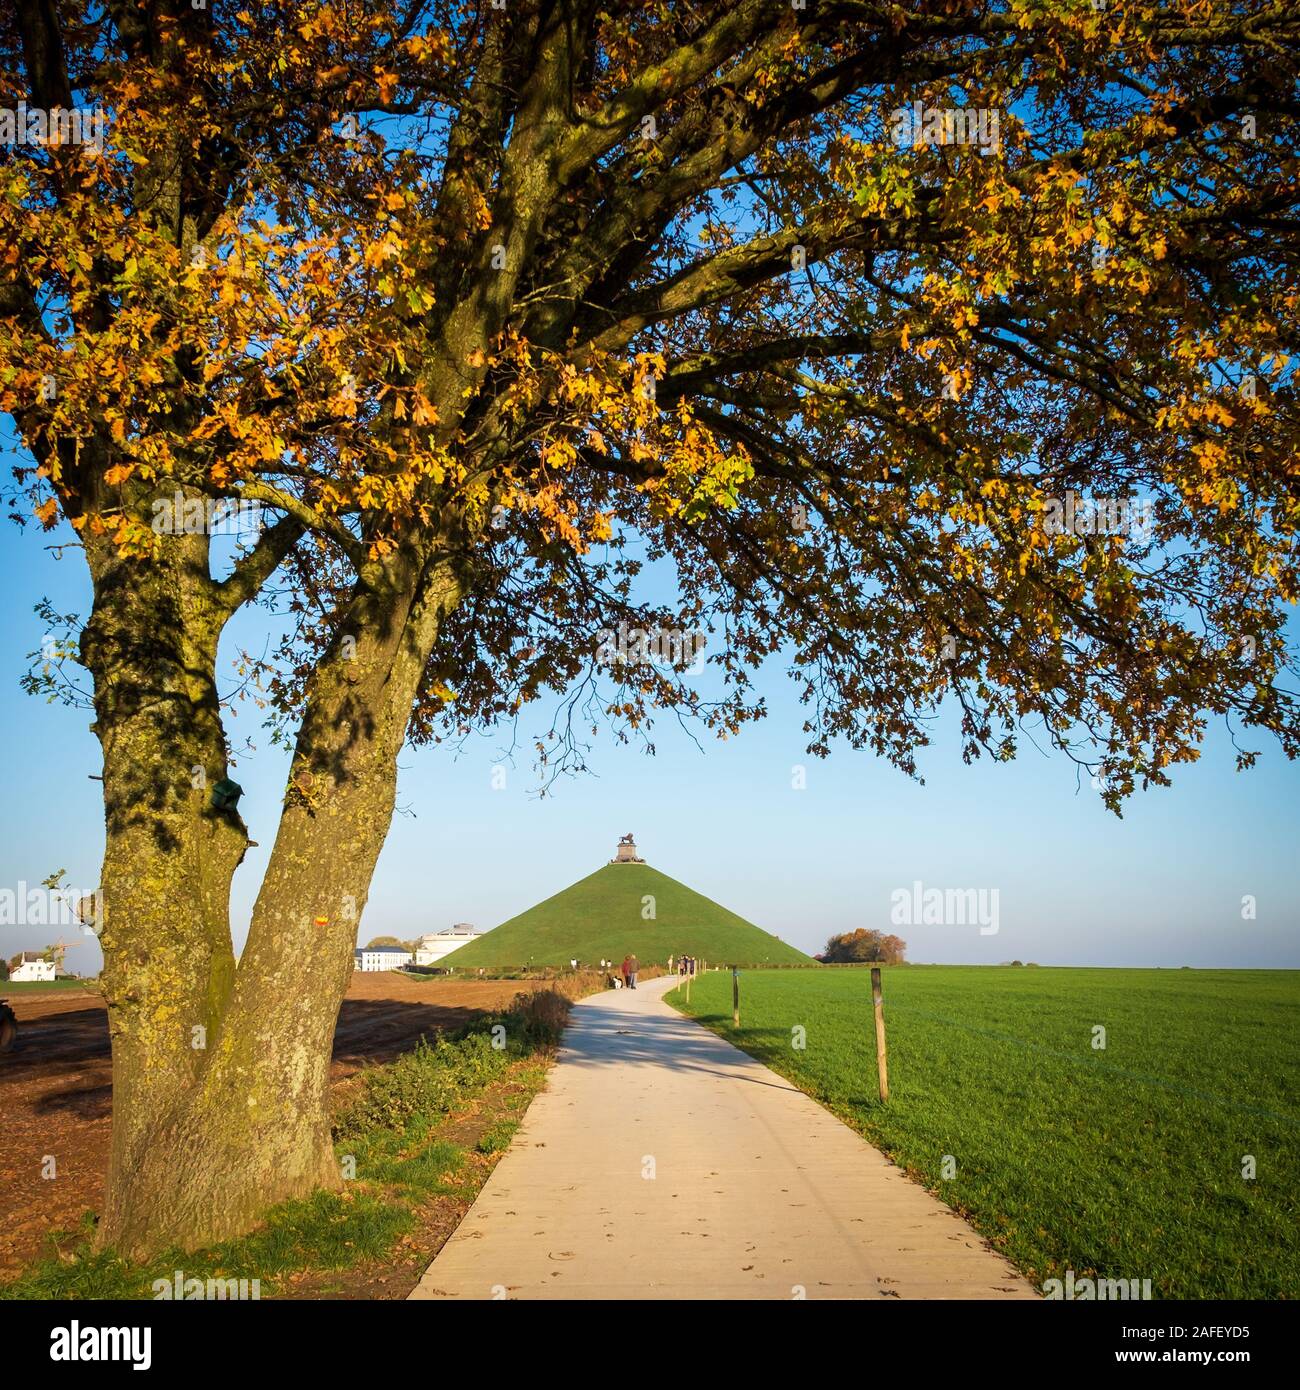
497, 1138
325, 1231
1122, 1162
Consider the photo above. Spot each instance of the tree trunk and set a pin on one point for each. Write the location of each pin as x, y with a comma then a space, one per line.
169, 857
255, 1128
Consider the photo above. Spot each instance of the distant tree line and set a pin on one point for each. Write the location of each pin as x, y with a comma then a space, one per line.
864, 945
379, 943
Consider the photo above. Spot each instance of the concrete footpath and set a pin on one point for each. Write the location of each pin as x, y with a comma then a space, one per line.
661, 1162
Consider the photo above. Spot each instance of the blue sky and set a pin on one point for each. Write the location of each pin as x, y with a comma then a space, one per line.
1163, 886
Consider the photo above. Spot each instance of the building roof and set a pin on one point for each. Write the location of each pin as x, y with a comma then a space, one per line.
381, 951
460, 930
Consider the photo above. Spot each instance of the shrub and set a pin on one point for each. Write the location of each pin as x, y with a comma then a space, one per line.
541, 1014
435, 1077
431, 1079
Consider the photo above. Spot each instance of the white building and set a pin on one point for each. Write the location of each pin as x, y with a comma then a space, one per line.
431, 948
31, 967
380, 958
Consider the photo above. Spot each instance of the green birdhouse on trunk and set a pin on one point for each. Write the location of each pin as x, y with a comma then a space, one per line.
226, 794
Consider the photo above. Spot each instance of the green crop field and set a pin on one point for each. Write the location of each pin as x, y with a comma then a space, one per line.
622, 908
1125, 1162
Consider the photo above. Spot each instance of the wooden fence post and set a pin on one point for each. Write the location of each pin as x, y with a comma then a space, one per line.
878, 1003
735, 996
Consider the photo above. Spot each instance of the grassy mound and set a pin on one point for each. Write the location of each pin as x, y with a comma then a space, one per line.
622, 908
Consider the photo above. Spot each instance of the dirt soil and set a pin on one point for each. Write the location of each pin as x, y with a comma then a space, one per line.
56, 1096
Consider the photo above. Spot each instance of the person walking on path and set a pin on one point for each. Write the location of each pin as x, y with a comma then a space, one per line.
626, 968
633, 965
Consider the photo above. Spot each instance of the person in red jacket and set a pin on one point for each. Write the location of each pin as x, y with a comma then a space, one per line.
626, 968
